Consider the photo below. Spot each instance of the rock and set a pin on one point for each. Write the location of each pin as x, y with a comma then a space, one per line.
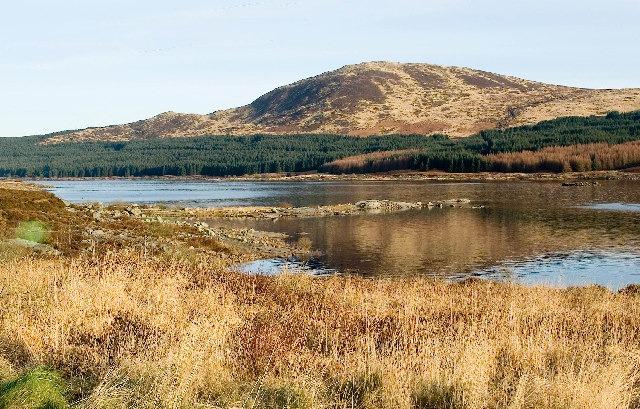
369, 204
134, 211
406, 205
578, 183
201, 225
454, 202
97, 233
37, 247
387, 205
97, 215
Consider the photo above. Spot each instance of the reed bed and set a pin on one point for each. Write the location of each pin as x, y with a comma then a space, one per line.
129, 330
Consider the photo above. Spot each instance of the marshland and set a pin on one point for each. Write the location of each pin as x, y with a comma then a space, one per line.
141, 304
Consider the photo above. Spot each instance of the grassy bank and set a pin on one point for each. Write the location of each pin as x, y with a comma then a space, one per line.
126, 330
127, 327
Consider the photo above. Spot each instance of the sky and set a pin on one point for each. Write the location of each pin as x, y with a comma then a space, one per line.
69, 64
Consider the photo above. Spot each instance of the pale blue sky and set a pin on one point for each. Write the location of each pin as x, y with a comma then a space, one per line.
76, 63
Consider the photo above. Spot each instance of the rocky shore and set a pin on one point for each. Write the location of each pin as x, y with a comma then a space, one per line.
429, 176
437, 176
163, 229
159, 230
276, 212
167, 229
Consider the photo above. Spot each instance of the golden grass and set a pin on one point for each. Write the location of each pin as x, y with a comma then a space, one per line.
129, 327
127, 330
22, 203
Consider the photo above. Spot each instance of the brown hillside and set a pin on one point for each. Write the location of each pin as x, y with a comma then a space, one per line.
382, 98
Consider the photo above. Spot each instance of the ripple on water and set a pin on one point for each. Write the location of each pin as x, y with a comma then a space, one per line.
614, 207
612, 269
275, 266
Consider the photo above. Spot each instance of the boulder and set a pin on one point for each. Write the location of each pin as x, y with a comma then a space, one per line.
369, 204
134, 211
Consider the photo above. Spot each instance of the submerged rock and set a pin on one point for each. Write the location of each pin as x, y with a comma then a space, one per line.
386, 205
580, 183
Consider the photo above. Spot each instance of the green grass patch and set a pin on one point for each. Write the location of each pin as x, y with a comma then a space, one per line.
39, 388
33, 231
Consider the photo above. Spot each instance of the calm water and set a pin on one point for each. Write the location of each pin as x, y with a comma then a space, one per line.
526, 231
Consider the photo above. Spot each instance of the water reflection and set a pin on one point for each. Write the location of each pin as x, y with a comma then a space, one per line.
615, 207
452, 241
275, 266
613, 269
519, 221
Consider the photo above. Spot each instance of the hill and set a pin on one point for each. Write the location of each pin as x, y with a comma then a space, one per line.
381, 98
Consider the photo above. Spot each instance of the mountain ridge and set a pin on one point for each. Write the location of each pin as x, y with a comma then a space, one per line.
377, 98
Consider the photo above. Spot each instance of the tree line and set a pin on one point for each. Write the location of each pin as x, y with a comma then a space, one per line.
208, 156
239, 155
604, 139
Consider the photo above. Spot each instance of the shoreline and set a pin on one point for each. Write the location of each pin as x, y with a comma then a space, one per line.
428, 176
193, 230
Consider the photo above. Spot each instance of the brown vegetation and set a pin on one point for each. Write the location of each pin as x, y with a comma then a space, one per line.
20, 204
175, 328
575, 158
370, 162
127, 330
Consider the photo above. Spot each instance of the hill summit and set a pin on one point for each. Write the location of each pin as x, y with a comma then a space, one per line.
378, 98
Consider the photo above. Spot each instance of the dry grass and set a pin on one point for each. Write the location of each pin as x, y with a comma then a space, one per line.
128, 327
133, 331
22, 203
